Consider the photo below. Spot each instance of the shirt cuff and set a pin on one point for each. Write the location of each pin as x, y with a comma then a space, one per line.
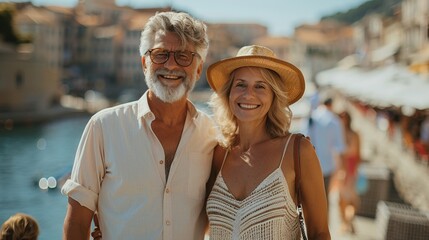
85, 197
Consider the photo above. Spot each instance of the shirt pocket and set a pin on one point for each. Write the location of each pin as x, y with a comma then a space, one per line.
199, 173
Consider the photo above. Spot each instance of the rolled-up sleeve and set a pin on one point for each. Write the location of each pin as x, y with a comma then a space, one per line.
88, 168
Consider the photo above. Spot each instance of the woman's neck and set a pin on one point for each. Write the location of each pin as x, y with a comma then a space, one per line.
251, 135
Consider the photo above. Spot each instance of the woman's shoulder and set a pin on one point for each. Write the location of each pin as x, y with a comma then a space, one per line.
305, 141
307, 150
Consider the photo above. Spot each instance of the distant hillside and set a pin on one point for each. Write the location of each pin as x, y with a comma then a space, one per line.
384, 7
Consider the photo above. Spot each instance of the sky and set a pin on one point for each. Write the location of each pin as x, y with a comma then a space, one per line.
280, 16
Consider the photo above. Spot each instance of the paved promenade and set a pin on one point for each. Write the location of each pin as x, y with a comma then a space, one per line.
366, 228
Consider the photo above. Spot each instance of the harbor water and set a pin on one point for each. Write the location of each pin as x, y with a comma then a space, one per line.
30, 155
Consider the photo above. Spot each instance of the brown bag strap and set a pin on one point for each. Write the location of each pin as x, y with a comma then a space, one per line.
297, 166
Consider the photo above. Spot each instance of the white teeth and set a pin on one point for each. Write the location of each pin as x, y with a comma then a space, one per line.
170, 76
248, 106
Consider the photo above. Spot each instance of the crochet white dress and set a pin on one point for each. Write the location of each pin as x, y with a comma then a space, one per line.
268, 213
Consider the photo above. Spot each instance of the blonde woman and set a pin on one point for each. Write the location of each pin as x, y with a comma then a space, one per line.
253, 194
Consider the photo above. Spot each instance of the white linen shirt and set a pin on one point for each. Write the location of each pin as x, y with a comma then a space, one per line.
119, 171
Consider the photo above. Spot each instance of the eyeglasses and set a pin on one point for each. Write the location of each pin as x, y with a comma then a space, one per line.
161, 56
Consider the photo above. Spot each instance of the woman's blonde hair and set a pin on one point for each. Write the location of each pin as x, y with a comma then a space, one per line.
278, 117
20, 227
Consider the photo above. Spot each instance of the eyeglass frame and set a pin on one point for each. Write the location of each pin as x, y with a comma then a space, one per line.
174, 56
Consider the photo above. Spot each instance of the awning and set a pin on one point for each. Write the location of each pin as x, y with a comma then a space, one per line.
385, 52
390, 86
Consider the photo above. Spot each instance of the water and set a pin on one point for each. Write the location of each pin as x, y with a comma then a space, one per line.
28, 153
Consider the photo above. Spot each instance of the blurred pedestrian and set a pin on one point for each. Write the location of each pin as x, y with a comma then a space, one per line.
20, 227
348, 197
424, 133
327, 135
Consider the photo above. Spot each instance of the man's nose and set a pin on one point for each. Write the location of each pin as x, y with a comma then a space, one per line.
171, 62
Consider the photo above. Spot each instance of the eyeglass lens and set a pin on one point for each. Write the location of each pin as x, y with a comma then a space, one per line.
182, 58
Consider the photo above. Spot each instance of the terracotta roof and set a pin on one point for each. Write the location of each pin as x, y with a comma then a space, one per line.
137, 20
62, 10
36, 15
312, 37
89, 20
322, 33
273, 41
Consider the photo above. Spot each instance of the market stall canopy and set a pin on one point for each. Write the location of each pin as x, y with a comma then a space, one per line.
389, 86
385, 52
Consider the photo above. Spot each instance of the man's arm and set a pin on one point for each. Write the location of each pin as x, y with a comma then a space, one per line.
77, 222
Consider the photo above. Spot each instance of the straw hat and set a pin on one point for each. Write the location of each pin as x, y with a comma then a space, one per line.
257, 56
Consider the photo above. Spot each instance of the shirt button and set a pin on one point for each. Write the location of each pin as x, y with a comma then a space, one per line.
167, 190
161, 162
167, 222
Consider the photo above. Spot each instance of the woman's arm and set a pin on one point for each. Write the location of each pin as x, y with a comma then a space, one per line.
313, 193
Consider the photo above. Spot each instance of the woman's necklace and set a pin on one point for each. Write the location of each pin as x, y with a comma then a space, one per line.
245, 156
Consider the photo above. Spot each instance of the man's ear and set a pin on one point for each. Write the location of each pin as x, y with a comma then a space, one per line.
143, 59
200, 70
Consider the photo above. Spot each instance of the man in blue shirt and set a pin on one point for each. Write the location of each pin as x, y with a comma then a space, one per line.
327, 135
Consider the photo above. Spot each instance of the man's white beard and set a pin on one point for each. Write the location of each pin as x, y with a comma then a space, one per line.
165, 93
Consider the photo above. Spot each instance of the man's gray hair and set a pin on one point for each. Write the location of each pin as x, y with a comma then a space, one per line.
191, 31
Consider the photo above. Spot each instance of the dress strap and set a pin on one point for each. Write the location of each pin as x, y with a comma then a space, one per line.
223, 162
284, 150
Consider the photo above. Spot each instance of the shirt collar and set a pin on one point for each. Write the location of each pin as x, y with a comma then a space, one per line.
145, 112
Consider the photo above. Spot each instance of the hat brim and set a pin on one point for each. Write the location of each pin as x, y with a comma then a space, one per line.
218, 73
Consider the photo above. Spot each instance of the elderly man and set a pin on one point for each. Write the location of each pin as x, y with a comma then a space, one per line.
143, 165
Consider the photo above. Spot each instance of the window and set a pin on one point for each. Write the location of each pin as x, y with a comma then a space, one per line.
19, 79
